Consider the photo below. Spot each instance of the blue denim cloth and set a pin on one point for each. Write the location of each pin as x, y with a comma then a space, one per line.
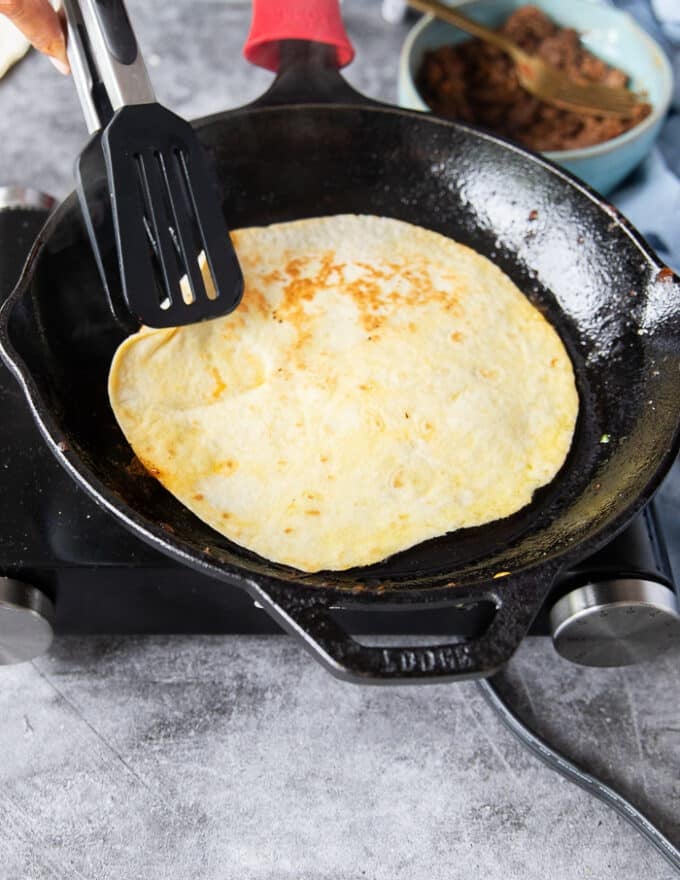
650, 196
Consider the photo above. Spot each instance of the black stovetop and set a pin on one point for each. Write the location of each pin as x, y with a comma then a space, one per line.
105, 580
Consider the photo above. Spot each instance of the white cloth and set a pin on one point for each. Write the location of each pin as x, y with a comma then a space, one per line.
13, 45
651, 201
667, 13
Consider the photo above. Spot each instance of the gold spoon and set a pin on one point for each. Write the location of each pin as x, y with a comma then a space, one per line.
539, 78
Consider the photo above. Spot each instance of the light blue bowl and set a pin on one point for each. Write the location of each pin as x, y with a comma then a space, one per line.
608, 33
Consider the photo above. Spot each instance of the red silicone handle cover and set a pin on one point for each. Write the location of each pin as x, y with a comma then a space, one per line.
316, 20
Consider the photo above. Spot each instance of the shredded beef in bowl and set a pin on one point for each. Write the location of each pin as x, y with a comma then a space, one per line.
476, 82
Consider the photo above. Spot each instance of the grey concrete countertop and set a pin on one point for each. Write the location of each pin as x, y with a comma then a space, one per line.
238, 757
224, 758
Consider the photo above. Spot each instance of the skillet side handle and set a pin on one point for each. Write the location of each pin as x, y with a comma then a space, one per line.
517, 597
315, 21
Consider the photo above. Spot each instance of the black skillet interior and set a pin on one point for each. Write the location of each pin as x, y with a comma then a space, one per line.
571, 254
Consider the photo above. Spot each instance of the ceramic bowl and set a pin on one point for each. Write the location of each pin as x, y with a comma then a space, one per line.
608, 33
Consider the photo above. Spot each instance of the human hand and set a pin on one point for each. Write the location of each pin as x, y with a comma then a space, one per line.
40, 24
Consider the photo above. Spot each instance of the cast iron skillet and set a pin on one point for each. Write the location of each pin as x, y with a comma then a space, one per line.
313, 146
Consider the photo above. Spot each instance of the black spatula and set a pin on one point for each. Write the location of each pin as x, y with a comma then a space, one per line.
149, 199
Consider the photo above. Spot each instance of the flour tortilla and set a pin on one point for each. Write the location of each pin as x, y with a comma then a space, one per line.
379, 385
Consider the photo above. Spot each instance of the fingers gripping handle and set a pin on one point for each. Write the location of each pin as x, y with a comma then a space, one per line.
317, 21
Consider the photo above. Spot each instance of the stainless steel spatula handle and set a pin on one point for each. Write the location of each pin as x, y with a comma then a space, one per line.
84, 74
104, 54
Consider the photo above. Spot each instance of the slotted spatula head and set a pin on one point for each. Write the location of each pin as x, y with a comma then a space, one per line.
166, 212
150, 201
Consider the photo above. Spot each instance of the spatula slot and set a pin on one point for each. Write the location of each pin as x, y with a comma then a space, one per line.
183, 180
162, 253
156, 271
189, 239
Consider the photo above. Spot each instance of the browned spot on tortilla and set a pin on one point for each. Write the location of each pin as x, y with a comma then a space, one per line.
227, 467
456, 336
374, 272
254, 300
220, 384
198, 497
367, 296
272, 277
301, 290
371, 297
288, 530
323, 458
293, 267
234, 325
372, 322
370, 293
329, 267
313, 512
226, 516
296, 291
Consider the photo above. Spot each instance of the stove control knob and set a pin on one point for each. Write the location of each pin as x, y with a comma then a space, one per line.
26, 616
616, 622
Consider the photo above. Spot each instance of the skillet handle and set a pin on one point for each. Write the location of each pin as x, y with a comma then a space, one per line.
518, 598
315, 21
